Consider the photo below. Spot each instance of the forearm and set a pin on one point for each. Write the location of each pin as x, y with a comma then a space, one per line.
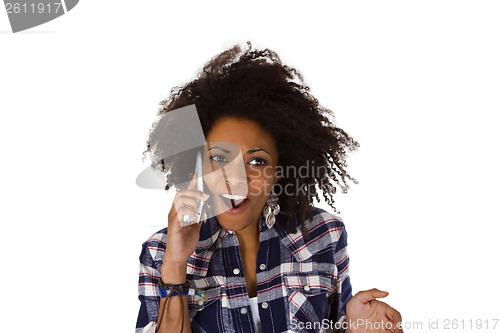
171, 321
173, 310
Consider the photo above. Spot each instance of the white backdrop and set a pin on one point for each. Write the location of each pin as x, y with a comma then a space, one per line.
416, 83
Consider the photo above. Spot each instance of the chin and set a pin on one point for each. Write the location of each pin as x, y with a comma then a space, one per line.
240, 217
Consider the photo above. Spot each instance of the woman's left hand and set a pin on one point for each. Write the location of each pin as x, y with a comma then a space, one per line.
366, 314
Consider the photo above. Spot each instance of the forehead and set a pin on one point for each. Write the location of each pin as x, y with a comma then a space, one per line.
243, 132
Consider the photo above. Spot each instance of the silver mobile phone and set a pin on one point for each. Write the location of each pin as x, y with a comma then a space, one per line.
199, 186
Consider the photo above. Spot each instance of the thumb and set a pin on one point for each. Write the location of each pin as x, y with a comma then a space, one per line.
370, 295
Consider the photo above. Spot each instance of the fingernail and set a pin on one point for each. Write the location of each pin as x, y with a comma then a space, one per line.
205, 195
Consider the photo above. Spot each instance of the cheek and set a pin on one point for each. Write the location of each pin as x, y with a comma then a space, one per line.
260, 184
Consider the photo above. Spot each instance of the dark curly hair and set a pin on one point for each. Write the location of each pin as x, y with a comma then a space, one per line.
256, 85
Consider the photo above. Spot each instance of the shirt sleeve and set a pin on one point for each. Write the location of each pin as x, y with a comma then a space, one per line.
149, 294
344, 289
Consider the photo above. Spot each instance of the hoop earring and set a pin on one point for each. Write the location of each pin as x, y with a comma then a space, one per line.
271, 209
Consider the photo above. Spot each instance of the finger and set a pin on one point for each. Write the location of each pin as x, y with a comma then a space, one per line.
184, 201
181, 211
398, 328
186, 211
392, 318
393, 314
395, 327
192, 193
177, 219
370, 295
395, 317
389, 325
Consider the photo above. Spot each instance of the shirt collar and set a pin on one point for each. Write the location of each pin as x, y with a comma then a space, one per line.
211, 231
302, 249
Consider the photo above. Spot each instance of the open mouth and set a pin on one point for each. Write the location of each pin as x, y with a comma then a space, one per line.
233, 200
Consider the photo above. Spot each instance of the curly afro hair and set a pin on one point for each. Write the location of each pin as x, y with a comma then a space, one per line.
255, 85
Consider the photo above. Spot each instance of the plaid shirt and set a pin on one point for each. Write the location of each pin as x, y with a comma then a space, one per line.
302, 283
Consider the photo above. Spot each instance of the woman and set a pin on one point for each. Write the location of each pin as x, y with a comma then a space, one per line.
265, 260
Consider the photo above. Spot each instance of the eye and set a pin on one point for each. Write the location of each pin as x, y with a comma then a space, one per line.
257, 161
218, 158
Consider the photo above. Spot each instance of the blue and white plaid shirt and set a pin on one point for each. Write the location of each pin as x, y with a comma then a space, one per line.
302, 283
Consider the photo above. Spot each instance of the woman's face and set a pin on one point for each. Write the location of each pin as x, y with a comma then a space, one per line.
239, 164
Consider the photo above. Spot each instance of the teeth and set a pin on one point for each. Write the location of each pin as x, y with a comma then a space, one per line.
233, 196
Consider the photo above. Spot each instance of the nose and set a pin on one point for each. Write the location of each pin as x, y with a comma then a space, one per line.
235, 173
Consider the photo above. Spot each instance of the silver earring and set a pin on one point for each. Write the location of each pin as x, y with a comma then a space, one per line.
271, 209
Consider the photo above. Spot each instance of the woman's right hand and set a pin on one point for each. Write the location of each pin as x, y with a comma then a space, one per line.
182, 241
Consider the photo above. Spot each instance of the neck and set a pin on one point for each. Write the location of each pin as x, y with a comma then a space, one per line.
248, 238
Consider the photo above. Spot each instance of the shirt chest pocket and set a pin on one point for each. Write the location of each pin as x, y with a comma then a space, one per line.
204, 299
206, 315
307, 296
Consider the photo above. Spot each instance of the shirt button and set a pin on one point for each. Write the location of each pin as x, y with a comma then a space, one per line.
262, 267
243, 311
200, 302
265, 305
236, 271
307, 288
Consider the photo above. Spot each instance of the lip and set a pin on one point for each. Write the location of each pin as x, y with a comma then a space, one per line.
238, 210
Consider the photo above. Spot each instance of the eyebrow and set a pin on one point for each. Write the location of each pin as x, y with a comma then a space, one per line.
256, 150
248, 151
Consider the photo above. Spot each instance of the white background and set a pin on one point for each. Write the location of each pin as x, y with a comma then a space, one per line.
415, 82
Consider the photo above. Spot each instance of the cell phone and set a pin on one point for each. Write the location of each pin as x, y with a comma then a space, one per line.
199, 186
